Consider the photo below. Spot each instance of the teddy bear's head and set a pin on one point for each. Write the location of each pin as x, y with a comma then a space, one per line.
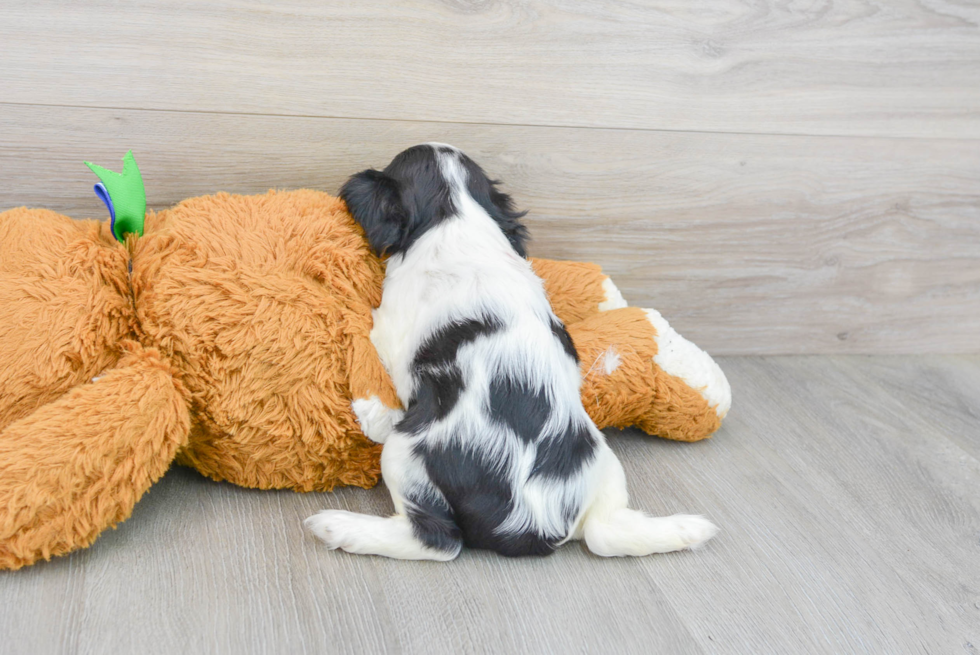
253, 300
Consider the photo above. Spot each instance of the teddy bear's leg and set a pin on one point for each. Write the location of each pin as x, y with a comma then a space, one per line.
624, 383
681, 359
79, 464
677, 391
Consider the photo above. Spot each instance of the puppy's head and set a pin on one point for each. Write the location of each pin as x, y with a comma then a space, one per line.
418, 190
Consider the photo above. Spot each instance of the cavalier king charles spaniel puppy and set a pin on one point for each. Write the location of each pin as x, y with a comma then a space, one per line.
494, 449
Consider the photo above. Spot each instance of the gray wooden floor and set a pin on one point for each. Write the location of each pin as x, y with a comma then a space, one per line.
847, 489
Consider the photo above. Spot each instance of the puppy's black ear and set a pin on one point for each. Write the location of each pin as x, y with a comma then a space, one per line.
497, 204
374, 200
508, 218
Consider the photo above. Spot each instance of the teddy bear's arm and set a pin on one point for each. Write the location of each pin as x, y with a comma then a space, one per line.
577, 290
64, 305
79, 464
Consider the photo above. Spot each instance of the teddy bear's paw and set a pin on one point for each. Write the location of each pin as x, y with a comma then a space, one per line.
377, 419
679, 357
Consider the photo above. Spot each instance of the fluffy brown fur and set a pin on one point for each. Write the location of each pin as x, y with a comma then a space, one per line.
235, 346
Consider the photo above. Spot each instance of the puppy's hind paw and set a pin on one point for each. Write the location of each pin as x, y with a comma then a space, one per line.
330, 526
694, 531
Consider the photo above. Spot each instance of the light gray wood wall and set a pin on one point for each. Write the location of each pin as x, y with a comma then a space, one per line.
773, 177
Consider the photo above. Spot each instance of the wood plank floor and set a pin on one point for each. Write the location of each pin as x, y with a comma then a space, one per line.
847, 490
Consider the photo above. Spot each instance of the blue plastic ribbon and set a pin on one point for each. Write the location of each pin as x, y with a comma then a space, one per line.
103, 195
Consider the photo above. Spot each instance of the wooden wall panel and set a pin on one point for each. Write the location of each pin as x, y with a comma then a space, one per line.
746, 243
854, 67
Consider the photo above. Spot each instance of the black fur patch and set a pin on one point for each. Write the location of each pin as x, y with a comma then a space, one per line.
498, 204
522, 409
432, 521
481, 498
562, 456
438, 380
435, 395
565, 338
441, 348
527, 544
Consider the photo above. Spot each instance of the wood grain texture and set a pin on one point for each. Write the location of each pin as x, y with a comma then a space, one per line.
855, 67
856, 511
746, 243
846, 489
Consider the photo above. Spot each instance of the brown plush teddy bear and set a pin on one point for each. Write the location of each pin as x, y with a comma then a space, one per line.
232, 336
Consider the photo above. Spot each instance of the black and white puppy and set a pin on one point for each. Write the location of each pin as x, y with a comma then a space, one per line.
494, 448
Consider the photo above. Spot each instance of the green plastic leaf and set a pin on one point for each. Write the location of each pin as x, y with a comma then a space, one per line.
128, 196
